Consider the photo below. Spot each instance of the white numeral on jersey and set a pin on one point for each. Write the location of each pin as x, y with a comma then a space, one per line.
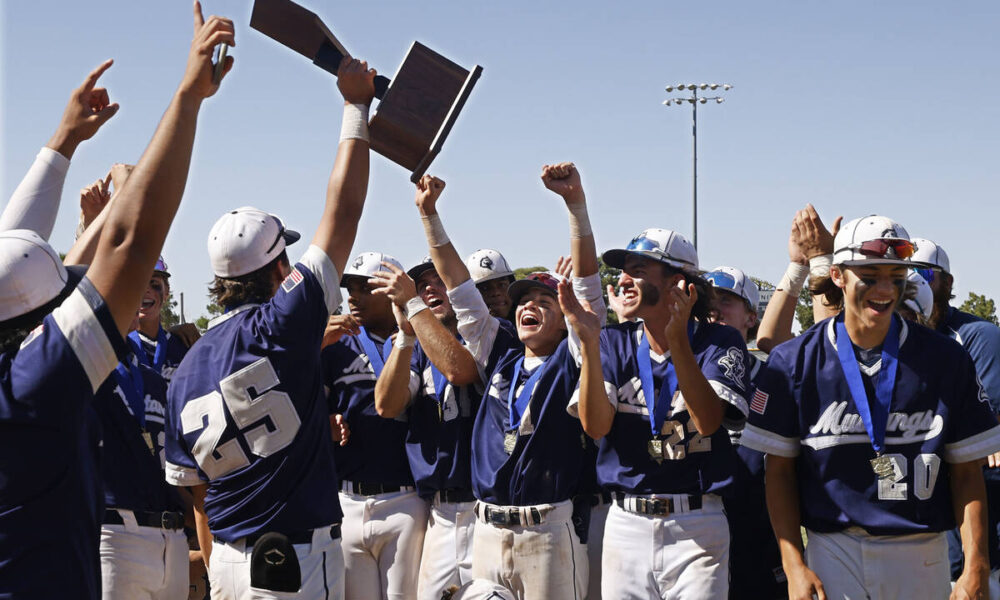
246, 411
673, 446
925, 472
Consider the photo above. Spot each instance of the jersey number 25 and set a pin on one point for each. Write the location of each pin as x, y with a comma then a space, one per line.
251, 415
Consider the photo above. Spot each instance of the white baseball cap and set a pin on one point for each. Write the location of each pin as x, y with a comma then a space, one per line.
662, 245
367, 264
931, 254
246, 239
734, 280
482, 589
33, 281
487, 264
872, 240
922, 302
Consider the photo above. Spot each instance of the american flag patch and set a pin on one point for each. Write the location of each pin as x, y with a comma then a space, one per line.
758, 402
294, 278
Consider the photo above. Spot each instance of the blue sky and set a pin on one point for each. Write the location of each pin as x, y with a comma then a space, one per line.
857, 107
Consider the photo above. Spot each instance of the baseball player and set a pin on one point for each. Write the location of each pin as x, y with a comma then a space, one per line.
247, 429
671, 386
754, 559
61, 335
527, 451
874, 429
918, 302
162, 350
384, 518
492, 276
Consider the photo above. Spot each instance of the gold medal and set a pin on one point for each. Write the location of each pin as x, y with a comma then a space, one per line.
883, 467
655, 448
509, 441
146, 437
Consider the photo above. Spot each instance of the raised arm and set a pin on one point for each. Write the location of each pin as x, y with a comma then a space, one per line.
348, 186
35, 202
82, 252
450, 266
596, 413
137, 225
392, 389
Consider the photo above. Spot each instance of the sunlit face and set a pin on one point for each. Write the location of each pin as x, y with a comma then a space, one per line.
157, 292
871, 292
733, 310
643, 283
539, 319
366, 307
434, 293
494, 293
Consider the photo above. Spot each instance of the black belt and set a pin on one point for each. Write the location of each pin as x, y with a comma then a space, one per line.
161, 520
374, 489
299, 537
456, 496
507, 516
660, 507
603, 497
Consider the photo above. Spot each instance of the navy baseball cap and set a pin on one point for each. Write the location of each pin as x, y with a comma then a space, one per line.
546, 280
420, 268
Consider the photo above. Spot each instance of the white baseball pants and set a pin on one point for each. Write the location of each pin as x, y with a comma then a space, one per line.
447, 554
139, 563
383, 540
676, 557
595, 541
535, 562
852, 564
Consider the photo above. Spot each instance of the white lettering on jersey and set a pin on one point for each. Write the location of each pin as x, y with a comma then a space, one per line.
360, 369
838, 427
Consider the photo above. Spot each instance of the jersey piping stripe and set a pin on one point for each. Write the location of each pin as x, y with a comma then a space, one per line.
756, 438
975, 447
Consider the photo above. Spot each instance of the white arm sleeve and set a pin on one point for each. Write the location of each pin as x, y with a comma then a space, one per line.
477, 328
35, 202
586, 289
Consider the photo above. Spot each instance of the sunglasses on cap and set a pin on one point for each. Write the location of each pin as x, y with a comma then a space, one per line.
927, 274
642, 243
721, 280
160, 266
879, 248
545, 279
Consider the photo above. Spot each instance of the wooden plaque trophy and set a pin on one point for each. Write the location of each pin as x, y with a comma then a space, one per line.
416, 110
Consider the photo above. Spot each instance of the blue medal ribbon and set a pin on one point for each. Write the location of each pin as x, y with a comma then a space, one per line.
517, 406
375, 357
129, 379
875, 422
657, 409
440, 383
159, 356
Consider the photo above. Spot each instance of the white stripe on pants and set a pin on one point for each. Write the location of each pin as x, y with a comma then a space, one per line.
856, 565
447, 555
321, 563
544, 561
383, 539
676, 557
142, 562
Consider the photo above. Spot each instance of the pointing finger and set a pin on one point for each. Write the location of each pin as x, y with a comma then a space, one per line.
199, 19
91, 80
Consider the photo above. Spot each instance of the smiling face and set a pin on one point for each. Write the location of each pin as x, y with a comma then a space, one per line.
731, 309
434, 293
643, 284
494, 293
157, 292
871, 292
540, 323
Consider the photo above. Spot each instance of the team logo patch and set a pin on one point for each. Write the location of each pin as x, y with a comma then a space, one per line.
358, 262
486, 262
294, 278
735, 368
37, 331
983, 396
758, 402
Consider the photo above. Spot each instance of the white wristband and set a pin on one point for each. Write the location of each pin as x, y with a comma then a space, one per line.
405, 341
819, 266
355, 123
793, 279
434, 231
579, 221
413, 306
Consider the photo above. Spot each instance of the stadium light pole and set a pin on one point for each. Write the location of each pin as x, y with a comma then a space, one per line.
694, 99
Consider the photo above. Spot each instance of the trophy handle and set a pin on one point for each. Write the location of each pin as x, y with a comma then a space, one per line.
328, 58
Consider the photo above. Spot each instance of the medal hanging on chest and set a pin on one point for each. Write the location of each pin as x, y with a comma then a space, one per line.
874, 415
517, 406
657, 407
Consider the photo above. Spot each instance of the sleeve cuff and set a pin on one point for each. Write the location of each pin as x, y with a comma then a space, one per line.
54, 159
322, 268
181, 476
573, 408
735, 416
972, 448
87, 325
767, 442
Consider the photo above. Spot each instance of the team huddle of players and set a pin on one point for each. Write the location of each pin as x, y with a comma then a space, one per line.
462, 434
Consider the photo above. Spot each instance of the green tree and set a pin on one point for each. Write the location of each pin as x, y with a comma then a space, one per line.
803, 308
168, 314
525, 271
214, 310
981, 306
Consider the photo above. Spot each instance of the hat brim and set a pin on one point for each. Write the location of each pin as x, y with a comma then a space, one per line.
616, 258
344, 279
521, 287
74, 274
419, 270
494, 276
872, 262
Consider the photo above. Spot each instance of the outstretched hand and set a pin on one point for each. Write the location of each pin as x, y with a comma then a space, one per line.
564, 179
564, 267
394, 283
581, 318
337, 326
356, 81
429, 189
199, 78
811, 235
680, 300
88, 109
616, 302
94, 198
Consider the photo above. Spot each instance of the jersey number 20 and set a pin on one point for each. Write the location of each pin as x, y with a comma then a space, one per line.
251, 415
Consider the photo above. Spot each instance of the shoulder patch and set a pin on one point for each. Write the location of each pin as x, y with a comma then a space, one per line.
37, 331
983, 396
735, 368
758, 402
294, 278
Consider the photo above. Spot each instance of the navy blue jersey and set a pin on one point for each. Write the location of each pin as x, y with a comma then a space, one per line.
169, 358
131, 471
50, 497
246, 412
981, 339
548, 457
375, 452
752, 466
691, 463
938, 415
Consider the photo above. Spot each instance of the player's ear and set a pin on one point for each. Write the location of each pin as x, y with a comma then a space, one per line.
838, 276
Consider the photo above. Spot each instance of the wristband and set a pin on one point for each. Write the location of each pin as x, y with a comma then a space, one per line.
413, 306
434, 231
355, 123
579, 221
405, 341
819, 266
793, 279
